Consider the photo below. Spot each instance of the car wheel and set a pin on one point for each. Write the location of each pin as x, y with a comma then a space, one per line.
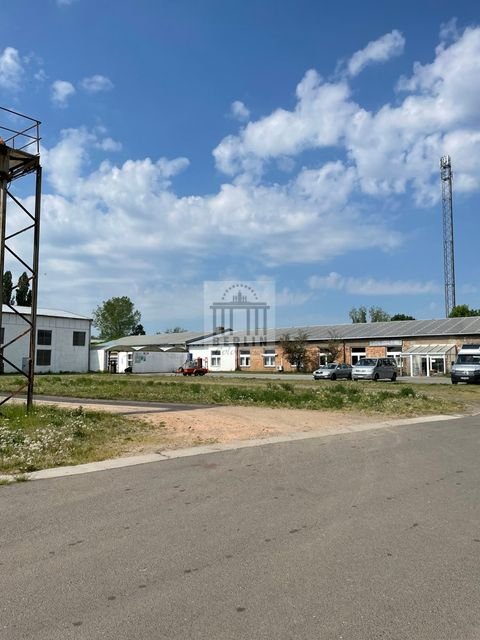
185, 374
349, 377
333, 376
375, 377
394, 377
454, 381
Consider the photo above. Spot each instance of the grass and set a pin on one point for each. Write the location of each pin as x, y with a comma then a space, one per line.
49, 436
383, 397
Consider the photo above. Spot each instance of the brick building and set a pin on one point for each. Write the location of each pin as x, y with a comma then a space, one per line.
420, 347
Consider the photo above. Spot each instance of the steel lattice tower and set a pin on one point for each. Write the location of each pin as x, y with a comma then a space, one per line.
448, 251
20, 158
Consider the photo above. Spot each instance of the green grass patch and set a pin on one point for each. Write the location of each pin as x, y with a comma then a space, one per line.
395, 399
49, 436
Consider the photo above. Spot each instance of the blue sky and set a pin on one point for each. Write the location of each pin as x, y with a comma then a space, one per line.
289, 141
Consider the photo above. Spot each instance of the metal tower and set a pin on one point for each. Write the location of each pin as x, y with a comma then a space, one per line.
20, 237
448, 252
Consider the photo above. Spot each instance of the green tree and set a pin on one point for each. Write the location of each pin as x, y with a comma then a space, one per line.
358, 315
377, 314
7, 288
463, 311
116, 317
401, 316
333, 347
23, 295
295, 348
138, 330
176, 330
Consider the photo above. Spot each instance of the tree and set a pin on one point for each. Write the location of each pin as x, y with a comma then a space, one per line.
333, 347
377, 314
138, 330
176, 330
401, 316
116, 318
23, 295
7, 288
358, 315
295, 348
463, 311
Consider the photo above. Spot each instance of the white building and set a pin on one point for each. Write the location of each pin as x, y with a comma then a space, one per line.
218, 352
63, 340
161, 353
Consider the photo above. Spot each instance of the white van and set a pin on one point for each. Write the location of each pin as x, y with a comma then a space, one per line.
467, 364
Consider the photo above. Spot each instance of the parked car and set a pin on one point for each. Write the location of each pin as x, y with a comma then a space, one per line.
333, 371
374, 369
467, 365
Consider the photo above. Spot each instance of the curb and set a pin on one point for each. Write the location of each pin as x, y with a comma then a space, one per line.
130, 461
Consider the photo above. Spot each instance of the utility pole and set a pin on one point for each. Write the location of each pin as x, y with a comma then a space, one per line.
448, 250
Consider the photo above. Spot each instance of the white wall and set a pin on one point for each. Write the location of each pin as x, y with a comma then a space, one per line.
142, 361
157, 361
228, 356
98, 360
64, 356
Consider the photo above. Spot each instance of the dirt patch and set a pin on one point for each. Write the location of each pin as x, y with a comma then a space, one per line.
228, 424
179, 428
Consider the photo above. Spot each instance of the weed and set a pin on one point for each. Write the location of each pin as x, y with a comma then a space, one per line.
407, 392
48, 436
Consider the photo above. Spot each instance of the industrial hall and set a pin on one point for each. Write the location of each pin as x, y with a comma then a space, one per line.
419, 347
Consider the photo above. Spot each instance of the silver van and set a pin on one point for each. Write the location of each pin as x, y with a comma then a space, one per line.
374, 369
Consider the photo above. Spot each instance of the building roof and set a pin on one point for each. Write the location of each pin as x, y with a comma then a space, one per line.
360, 331
158, 342
55, 313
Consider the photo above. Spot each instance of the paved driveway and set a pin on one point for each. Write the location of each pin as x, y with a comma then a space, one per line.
355, 537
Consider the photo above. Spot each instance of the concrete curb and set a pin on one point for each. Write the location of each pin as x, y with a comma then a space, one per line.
129, 461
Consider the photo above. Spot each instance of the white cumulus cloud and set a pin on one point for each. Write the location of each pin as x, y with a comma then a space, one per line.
96, 83
239, 111
381, 50
394, 149
371, 286
62, 90
11, 69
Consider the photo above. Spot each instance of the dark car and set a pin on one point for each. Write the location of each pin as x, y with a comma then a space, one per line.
333, 371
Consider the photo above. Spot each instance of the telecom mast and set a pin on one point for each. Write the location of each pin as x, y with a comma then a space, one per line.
448, 253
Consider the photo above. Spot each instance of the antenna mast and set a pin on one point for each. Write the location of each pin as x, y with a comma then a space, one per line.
448, 253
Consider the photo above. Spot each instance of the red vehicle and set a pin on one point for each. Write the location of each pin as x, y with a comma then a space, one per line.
193, 368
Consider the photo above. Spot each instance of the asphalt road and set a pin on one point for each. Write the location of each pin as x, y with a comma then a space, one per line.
364, 536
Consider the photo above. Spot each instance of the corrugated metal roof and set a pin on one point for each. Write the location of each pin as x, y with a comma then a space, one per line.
364, 331
55, 313
151, 343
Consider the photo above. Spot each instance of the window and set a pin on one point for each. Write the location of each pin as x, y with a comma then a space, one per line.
2, 335
44, 337
44, 357
269, 358
244, 358
79, 338
215, 358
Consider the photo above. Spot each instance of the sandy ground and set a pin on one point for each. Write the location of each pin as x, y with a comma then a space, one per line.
184, 428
